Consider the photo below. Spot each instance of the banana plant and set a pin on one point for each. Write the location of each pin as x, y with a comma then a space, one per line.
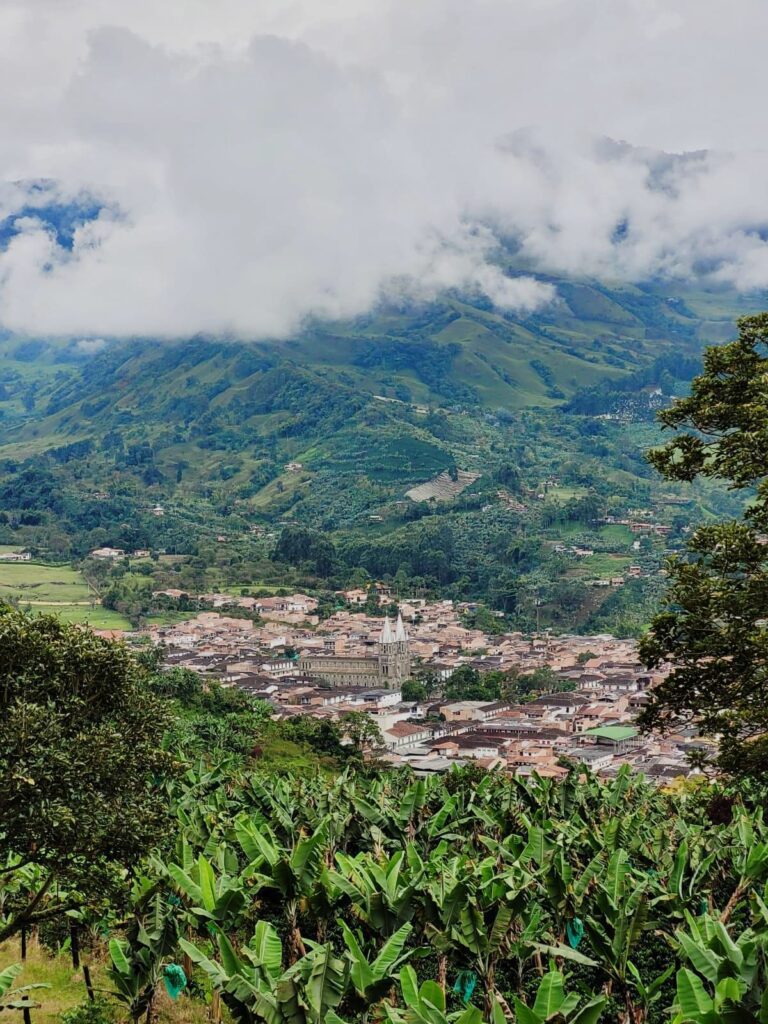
552, 1004
425, 1004
372, 980
750, 858
728, 976
215, 896
255, 987
688, 879
137, 961
293, 872
614, 926
16, 998
479, 917
384, 896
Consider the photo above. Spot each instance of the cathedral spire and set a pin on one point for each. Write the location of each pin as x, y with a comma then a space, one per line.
386, 633
400, 633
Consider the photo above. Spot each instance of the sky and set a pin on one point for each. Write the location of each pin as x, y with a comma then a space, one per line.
234, 168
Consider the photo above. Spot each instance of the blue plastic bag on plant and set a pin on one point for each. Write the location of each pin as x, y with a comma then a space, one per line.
175, 980
574, 931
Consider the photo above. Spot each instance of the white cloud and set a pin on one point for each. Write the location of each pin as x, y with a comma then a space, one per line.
263, 162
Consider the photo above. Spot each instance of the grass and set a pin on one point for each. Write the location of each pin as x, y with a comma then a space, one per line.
43, 584
613, 533
57, 590
67, 987
94, 616
604, 565
564, 493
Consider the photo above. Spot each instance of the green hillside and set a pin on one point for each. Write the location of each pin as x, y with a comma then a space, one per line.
329, 430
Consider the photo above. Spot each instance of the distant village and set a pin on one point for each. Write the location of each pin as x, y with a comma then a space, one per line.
354, 662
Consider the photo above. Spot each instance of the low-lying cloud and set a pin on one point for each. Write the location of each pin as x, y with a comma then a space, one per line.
171, 169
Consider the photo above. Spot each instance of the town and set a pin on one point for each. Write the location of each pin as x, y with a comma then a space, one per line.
584, 712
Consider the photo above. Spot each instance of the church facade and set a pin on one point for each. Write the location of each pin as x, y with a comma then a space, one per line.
387, 669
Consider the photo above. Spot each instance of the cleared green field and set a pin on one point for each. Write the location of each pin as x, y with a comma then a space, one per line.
617, 534
47, 584
604, 565
58, 590
96, 618
564, 494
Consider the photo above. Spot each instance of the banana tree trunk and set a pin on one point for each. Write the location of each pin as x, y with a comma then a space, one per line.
186, 963
296, 948
505, 1007
88, 982
489, 987
442, 971
215, 1012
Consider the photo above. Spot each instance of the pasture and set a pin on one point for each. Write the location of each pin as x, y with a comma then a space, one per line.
57, 589
34, 584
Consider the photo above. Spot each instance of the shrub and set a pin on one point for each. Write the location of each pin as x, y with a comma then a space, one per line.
96, 1011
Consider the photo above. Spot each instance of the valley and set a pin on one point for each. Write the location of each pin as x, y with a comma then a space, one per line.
204, 453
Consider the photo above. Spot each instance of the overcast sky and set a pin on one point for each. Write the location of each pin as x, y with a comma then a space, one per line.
261, 161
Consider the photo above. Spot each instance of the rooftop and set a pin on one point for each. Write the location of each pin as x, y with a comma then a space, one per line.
612, 732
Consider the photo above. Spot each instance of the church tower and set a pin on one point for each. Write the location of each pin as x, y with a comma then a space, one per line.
394, 654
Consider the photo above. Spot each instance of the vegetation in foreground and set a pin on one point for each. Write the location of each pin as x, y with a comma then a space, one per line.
713, 626
348, 892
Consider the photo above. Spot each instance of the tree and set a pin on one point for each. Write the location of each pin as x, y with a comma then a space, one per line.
413, 690
713, 624
81, 764
362, 730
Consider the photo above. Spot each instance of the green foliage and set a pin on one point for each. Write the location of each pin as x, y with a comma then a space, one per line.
307, 898
413, 690
467, 683
713, 627
471, 389
296, 545
80, 761
92, 1011
14, 997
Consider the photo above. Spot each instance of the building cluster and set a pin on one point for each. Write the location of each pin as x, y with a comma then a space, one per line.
354, 662
638, 521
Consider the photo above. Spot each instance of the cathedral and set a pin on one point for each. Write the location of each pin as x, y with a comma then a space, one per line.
388, 668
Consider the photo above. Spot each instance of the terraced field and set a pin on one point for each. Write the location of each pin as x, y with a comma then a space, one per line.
442, 487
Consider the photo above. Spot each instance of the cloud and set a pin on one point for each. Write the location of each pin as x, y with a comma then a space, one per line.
170, 169
90, 346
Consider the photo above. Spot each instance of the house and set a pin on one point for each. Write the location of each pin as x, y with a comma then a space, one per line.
15, 556
403, 734
566, 702
279, 668
473, 710
112, 553
619, 738
595, 758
